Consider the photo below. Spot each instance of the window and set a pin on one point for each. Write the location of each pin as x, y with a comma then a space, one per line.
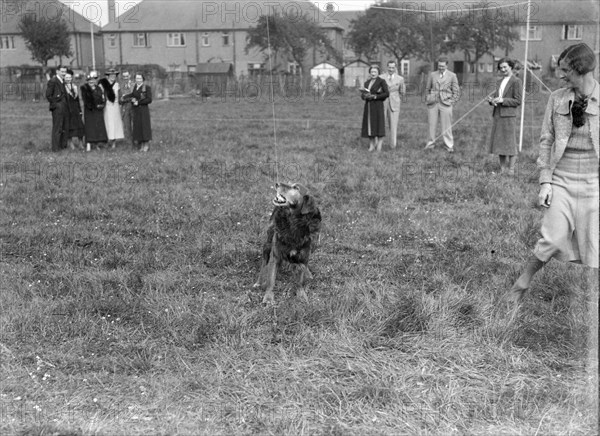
256, 69
481, 67
112, 40
140, 40
205, 41
175, 39
490, 67
571, 31
7, 43
535, 33
405, 68
225, 38
293, 68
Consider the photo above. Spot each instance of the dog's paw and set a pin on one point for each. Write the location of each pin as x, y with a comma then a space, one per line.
301, 294
269, 298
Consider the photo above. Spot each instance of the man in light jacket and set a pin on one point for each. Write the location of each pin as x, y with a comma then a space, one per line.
392, 104
442, 93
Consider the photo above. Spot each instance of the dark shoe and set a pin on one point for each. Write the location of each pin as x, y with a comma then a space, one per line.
449, 149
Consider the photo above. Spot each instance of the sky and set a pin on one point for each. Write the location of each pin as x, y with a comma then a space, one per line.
97, 10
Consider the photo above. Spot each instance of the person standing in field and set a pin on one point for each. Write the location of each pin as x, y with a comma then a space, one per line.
112, 111
141, 97
93, 111
76, 127
125, 89
568, 162
57, 97
374, 93
397, 89
505, 101
443, 92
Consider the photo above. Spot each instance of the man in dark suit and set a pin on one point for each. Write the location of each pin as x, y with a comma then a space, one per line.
442, 92
56, 95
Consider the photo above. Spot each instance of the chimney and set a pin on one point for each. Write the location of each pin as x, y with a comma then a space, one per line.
112, 11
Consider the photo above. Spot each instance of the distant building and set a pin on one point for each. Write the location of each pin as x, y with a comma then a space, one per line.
13, 51
182, 34
554, 25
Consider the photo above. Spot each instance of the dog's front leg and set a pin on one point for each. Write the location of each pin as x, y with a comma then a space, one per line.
271, 272
304, 274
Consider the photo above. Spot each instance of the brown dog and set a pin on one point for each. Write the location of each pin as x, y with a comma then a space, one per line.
293, 228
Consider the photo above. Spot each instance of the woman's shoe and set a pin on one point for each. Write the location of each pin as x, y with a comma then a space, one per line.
518, 290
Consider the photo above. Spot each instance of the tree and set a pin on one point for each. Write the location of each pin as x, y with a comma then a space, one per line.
45, 38
480, 31
400, 34
290, 38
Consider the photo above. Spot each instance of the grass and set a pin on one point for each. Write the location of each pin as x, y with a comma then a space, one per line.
127, 302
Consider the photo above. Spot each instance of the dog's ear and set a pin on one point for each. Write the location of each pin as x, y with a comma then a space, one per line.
308, 204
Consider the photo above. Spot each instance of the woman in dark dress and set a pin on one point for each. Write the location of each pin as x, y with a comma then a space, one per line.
141, 97
93, 104
76, 128
374, 94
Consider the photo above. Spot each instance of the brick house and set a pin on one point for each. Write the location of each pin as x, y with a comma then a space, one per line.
180, 35
13, 51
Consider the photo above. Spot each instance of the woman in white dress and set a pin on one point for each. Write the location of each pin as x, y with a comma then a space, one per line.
112, 111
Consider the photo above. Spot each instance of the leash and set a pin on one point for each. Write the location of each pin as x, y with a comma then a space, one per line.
272, 100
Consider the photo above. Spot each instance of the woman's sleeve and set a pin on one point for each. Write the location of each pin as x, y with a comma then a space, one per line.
385, 91
546, 143
147, 97
515, 99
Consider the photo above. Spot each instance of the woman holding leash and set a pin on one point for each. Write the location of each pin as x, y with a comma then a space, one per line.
568, 163
374, 92
505, 101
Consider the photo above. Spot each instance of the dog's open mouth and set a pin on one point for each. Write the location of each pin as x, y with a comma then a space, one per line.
279, 200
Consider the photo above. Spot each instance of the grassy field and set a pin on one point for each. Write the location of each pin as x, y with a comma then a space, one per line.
127, 305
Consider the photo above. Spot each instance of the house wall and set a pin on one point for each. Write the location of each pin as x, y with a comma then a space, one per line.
552, 43
81, 48
181, 58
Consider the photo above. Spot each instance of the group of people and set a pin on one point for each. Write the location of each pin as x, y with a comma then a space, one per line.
569, 147
112, 111
383, 93
382, 96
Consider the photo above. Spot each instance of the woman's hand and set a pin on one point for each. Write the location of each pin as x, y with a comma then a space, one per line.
545, 195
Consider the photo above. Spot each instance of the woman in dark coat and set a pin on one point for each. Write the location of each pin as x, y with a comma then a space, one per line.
374, 94
76, 129
93, 110
506, 100
141, 97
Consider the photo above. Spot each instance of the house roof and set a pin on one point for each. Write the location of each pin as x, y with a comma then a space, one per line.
191, 15
563, 12
13, 10
344, 18
546, 12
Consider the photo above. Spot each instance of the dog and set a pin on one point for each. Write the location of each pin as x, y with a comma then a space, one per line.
294, 229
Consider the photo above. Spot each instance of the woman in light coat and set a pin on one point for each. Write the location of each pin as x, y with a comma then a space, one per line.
112, 110
568, 163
